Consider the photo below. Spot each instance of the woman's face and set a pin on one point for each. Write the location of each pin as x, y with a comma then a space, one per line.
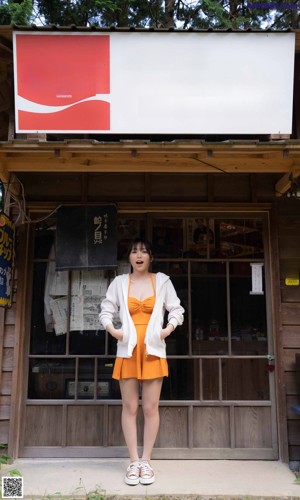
139, 258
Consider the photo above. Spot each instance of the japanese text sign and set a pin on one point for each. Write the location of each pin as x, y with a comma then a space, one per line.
7, 233
86, 237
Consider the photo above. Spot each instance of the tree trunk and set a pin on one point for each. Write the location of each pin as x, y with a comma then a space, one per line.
169, 13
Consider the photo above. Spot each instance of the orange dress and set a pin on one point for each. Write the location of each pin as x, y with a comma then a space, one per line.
141, 365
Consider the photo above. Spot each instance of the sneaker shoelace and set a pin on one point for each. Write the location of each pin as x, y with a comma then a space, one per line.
146, 470
133, 470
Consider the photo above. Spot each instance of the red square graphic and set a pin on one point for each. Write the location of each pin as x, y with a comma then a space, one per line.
61, 80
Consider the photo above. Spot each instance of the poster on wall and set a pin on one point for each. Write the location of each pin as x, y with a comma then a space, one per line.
7, 238
120, 83
86, 237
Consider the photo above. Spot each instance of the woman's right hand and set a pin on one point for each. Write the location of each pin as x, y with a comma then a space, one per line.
117, 333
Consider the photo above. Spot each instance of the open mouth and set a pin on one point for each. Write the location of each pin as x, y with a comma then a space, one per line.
140, 262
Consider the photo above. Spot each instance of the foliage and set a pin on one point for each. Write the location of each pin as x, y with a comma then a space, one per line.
185, 14
236, 14
16, 12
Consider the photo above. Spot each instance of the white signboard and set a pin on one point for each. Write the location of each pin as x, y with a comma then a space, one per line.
154, 83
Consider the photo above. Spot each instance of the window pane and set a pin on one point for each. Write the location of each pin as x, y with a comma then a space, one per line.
86, 380
167, 237
238, 238
177, 342
245, 379
206, 375
200, 237
180, 382
108, 388
44, 239
48, 378
88, 289
209, 308
43, 339
129, 227
210, 379
248, 312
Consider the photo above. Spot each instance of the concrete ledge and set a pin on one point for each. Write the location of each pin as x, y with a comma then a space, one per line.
103, 479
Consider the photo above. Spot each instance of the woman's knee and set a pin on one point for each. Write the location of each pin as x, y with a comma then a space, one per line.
150, 408
130, 407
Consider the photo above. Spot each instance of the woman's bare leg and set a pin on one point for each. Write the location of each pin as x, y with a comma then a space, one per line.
150, 400
130, 401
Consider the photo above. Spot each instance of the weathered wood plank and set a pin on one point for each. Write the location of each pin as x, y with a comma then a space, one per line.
211, 427
173, 431
43, 426
289, 359
85, 425
291, 336
9, 336
4, 431
294, 432
6, 383
290, 313
5, 412
291, 383
253, 427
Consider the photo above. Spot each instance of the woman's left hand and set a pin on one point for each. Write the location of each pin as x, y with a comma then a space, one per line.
165, 332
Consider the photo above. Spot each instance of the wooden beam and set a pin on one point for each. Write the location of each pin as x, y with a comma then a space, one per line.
284, 184
10, 181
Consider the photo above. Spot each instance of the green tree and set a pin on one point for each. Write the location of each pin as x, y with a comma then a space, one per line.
217, 14
16, 12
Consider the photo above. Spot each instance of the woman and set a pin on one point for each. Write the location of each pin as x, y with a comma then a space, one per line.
141, 299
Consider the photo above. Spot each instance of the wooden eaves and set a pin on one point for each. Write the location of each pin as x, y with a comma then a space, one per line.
145, 156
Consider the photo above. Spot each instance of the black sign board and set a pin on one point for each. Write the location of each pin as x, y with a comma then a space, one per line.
86, 237
7, 239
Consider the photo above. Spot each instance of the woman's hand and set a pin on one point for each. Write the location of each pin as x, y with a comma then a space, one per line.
117, 333
165, 332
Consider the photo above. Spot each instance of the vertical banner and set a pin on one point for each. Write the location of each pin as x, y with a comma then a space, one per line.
7, 239
86, 237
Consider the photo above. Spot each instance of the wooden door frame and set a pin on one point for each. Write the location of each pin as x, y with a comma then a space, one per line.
271, 256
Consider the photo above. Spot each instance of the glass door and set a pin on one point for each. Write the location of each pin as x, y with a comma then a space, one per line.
218, 401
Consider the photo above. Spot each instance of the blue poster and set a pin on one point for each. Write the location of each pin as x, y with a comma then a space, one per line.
7, 233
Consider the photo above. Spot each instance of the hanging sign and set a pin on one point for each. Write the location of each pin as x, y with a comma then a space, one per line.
86, 237
257, 281
153, 83
7, 237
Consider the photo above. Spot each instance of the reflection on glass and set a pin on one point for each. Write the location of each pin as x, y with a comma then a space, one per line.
167, 237
107, 387
85, 385
177, 342
245, 379
48, 378
44, 239
210, 379
248, 312
43, 339
238, 238
129, 228
180, 382
87, 342
209, 309
200, 237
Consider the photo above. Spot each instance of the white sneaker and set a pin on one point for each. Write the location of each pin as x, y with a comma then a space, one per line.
146, 473
132, 475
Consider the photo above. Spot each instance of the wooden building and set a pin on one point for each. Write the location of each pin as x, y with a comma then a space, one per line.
214, 207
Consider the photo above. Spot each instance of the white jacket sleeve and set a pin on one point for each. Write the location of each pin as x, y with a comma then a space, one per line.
109, 305
172, 305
